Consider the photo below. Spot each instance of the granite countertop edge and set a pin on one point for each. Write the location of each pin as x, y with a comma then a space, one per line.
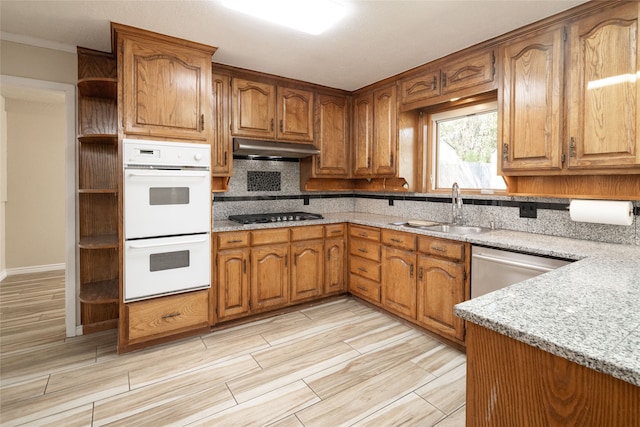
514, 312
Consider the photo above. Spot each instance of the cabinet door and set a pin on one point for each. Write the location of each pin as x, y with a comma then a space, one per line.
603, 90
440, 287
295, 115
307, 270
334, 265
332, 137
166, 90
253, 109
471, 70
221, 150
531, 107
233, 283
385, 138
362, 135
269, 276
399, 281
419, 88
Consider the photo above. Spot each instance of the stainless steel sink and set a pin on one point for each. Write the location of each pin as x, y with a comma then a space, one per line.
457, 229
445, 228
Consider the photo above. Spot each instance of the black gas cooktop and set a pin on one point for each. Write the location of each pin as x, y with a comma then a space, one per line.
274, 217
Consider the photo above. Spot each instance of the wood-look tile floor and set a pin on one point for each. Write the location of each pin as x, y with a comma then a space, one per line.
341, 363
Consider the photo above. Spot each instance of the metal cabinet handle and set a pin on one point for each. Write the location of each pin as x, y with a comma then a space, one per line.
362, 288
234, 241
364, 270
271, 124
170, 315
420, 273
396, 240
438, 248
244, 266
411, 271
505, 152
364, 251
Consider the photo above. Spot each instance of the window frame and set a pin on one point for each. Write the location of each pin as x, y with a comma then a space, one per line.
429, 130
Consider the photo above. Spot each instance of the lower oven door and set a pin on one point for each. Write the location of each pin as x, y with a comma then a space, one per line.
168, 265
166, 202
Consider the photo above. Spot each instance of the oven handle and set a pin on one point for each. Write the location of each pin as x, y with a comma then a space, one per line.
181, 174
136, 246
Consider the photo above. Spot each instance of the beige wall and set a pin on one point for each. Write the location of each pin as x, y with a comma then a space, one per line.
39, 63
35, 208
3, 185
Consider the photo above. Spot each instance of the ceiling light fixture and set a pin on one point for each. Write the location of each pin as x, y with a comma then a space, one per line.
309, 16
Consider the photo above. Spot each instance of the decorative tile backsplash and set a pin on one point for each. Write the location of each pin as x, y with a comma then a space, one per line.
245, 197
263, 181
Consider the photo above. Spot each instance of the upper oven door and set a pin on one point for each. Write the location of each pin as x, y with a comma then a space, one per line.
166, 202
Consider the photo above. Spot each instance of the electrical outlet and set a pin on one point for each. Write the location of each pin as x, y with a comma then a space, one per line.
528, 210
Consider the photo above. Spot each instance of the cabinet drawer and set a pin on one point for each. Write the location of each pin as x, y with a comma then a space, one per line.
232, 240
443, 248
365, 288
364, 232
365, 268
307, 233
399, 240
334, 230
365, 249
266, 237
164, 316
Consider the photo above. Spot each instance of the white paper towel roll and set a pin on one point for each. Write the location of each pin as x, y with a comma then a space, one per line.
602, 211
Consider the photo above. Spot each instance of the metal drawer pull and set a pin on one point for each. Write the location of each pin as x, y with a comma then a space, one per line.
336, 231
167, 316
362, 288
363, 235
362, 269
364, 251
439, 249
234, 241
396, 240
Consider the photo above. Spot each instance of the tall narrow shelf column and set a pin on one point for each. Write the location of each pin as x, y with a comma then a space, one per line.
98, 242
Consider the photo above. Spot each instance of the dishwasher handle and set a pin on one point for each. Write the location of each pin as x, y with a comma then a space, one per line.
512, 263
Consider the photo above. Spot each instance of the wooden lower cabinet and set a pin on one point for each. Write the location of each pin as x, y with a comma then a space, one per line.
232, 279
269, 276
307, 270
158, 318
510, 383
440, 287
399, 281
334, 266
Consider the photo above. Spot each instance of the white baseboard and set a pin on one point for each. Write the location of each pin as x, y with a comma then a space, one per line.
35, 269
3, 275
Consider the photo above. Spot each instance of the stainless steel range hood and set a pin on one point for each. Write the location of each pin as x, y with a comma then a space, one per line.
259, 148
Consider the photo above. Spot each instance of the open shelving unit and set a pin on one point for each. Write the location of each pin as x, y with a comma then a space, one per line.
98, 195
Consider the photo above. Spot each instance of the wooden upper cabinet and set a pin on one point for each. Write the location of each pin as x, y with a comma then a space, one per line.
385, 132
264, 110
221, 149
375, 139
332, 136
603, 90
362, 134
422, 87
253, 109
465, 74
469, 71
295, 115
531, 104
165, 85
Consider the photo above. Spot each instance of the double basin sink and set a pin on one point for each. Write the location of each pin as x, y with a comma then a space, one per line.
442, 228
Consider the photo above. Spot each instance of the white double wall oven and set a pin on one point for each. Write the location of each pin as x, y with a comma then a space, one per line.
167, 218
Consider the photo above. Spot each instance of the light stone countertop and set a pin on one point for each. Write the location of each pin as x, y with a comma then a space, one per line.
587, 312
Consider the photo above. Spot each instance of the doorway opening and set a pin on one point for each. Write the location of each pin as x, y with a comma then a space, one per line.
24, 182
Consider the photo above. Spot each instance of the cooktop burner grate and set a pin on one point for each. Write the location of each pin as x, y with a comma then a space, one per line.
274, 217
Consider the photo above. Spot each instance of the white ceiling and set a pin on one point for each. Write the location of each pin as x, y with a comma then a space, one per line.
377, 38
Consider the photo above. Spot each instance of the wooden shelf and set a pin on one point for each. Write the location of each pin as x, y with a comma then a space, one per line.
98, 87
98, 191
109, 241
105, 291
99, 138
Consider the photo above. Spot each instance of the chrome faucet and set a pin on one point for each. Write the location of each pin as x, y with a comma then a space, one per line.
456, 202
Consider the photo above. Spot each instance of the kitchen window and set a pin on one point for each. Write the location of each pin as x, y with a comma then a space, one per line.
463, 148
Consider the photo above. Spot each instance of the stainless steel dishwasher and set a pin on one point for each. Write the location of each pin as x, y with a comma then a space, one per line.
493, 269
